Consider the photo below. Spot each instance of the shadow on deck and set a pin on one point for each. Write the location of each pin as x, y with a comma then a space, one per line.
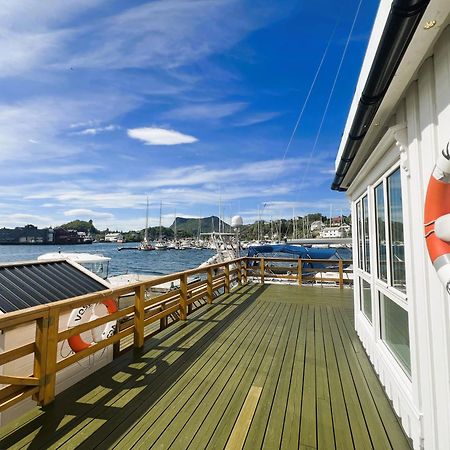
266, 367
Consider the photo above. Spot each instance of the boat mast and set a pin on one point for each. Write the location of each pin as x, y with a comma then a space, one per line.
146, 224
160, 212
175, 225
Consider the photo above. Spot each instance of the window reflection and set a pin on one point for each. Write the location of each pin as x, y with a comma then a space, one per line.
397, 247
366, 299
365, 206
359, 235
395, 331
381, 232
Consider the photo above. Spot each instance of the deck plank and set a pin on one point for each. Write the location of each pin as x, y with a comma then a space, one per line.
325, 432
281, 386
341, 425
360, 434
223, 430
194, 384
261, 425
226, 409
210, 382
212, 404
308, 418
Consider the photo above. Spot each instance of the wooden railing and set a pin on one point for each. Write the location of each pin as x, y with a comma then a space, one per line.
133, 320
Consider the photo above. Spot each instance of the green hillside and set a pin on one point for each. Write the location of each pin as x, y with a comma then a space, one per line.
191, 227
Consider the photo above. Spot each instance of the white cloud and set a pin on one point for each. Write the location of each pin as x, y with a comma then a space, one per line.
160, 136
88, 213
14, 220
94, 131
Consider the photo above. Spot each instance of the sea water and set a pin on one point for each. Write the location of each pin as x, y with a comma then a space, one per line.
155, 262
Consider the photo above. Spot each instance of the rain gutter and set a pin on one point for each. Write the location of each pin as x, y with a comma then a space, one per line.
401, 24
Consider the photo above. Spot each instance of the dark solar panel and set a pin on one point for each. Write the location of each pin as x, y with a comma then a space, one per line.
25, 285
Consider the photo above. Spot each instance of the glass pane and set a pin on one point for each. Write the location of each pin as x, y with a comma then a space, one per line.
365, 207
381, 232
366, 299
395, 331
397, 250
359, 234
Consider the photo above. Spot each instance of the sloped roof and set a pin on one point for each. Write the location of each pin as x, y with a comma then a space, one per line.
23, 285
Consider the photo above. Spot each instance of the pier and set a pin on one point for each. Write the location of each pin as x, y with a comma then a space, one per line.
258, 366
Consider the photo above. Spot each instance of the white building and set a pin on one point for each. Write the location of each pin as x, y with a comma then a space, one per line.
113, 237
398, 123
335, 232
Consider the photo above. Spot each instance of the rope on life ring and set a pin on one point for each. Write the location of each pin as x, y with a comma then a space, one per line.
437, 217
87, 314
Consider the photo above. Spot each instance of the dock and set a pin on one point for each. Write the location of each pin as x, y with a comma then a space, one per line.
264, 366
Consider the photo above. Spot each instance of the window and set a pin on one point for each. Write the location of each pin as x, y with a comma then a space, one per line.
366, 299
359, 234
395, 330
381, 232
365, 207
362, 220
397, 247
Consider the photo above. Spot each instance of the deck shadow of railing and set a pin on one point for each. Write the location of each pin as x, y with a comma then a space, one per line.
49, 427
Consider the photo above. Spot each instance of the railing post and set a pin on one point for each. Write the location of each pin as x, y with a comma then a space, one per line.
183, 296
209, 285
163, 320
226, 270
300, 271
40, 355
262, 269
341, 274
239, 272
50, 361
139, 299
245, 271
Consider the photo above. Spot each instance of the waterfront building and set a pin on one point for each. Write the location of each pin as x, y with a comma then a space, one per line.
397, 126
114, 237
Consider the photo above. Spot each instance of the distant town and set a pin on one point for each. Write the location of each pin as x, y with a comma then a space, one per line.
85, 232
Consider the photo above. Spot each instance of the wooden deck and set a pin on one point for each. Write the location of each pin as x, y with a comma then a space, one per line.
265, 367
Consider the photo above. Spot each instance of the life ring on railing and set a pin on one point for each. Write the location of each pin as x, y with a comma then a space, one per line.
85, 314
437, 217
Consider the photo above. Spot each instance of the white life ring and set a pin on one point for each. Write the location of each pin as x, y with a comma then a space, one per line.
86, 314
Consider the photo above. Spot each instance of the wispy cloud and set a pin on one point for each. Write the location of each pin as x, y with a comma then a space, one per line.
205, 111
88, 213
160, 136
62, 170
254, 119
97, 130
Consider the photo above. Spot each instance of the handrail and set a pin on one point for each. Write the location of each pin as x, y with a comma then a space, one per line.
144, 312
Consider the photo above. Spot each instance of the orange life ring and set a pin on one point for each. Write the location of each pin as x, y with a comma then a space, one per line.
437, 217
78, 316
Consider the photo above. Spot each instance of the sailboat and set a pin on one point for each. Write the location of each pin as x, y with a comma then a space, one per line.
145, 245
160, 245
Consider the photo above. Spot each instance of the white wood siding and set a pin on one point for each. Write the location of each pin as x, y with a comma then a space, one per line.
423, 402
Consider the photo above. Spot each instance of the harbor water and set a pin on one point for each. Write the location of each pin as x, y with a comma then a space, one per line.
156, 262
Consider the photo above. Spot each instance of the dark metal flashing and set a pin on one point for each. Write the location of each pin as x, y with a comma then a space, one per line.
401, 24
23, 285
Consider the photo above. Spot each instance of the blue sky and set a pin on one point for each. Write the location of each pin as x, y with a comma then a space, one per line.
104, 102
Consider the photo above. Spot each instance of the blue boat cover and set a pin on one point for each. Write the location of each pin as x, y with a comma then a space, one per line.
300, 251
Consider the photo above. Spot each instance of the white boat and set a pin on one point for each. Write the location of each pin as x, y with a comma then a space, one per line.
97, 264
226, 245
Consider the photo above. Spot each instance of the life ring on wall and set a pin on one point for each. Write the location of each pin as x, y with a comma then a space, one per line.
437, 217
85, 314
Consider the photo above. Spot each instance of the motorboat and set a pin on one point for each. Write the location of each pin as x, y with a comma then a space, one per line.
97, 264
